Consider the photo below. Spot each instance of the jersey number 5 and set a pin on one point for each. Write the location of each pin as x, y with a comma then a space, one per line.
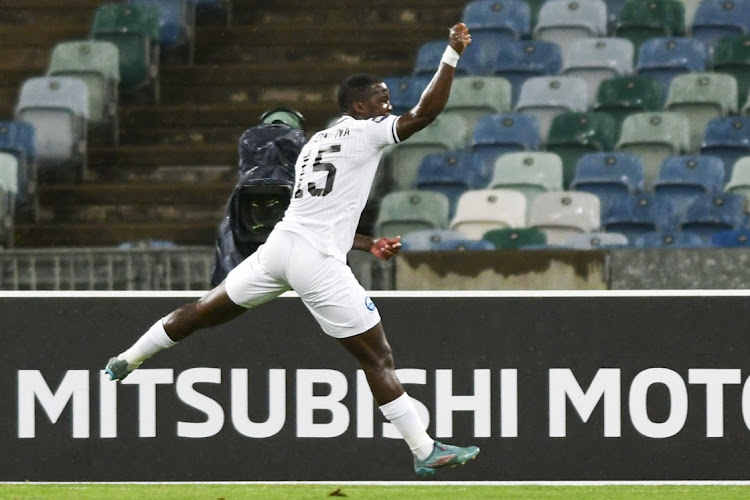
319, 166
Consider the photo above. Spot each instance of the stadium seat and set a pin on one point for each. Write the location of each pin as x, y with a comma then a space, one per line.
729, 139
702, 97
610, 176
574, 134
595, 240
739, 182
664, 58
428, 59
547, 96
508, 19
598, 59
176, 25
8, 191
564, 213
640, 20
481, 210
515, 238
497, 134
450, 173
639, 214
19, 139
732, 56
565, 21
530, 172
625, 95
519, 60
57, 107
404, 92
446, 133
425, 239
668, 239
709, 214
474, 96
717, 19
403, 212
135, 31
97, 63
683, 178
462, 245
654, 136
731, 238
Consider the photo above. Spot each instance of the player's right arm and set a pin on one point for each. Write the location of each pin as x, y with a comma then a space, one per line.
435, 96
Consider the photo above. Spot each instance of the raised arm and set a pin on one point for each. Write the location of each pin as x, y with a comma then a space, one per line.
434, 97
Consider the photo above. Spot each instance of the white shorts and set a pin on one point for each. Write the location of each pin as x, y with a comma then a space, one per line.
327, 286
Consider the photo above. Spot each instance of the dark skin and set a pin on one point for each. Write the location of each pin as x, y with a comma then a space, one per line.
371, 348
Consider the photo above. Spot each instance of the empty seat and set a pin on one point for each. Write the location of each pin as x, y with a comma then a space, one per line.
475, 96
573, 135
402, 212
446, 133
668, 239
683, 178
728, 138
19, 139
134, 30
639, 214
450, 173
654, 136
610, 176
664, 58
57, 107
709, 214
597, 59
565, 21
530, 172
176, 25
508, 19
564, 213
519, 60
404, 92
481, 210
640, 20
702, 97
8, 191
625, 95
429, 56
97, 63
515, 238
498, 134
547, 96
732, 56
595, 240
424, 240
462, 245
716, 19
731, 238
739, 182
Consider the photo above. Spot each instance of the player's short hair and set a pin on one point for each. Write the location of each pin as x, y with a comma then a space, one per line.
354, 88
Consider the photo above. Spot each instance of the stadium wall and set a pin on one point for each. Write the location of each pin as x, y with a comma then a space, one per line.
551, 385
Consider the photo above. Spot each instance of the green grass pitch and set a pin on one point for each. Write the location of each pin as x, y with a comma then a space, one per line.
432, 491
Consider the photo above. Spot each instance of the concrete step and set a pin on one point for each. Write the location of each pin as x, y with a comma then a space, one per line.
136, 193
107, 160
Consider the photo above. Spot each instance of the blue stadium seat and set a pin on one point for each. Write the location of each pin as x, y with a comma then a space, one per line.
452, 174
683, 178
425, 239
176, 25
729, 139
664, 58
709, 214
517, 61
595, 240
716, 19
668, 239
497, 134
638, 215
462, 245
405, 91
731, 238
509, 19
19, 139
609, 175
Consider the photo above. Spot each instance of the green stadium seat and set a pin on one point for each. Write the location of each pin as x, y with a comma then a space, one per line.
640, 20
515, 238
654, 136
732, 56
475, 96
701, 97
573, 135
403, 212
625, 95
530, 172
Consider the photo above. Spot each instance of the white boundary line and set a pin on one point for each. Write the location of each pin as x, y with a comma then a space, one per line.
397, 483
402, 294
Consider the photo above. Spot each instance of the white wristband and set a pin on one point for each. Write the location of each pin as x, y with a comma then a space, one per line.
450, 56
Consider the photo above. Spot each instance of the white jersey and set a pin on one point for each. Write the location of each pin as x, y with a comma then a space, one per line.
333, 177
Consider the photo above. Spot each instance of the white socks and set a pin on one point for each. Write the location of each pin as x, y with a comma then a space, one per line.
151, 342
402, 414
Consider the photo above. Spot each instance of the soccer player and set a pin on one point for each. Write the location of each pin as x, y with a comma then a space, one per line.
306, 251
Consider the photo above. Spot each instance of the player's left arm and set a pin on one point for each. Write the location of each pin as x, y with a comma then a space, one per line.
382, 248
